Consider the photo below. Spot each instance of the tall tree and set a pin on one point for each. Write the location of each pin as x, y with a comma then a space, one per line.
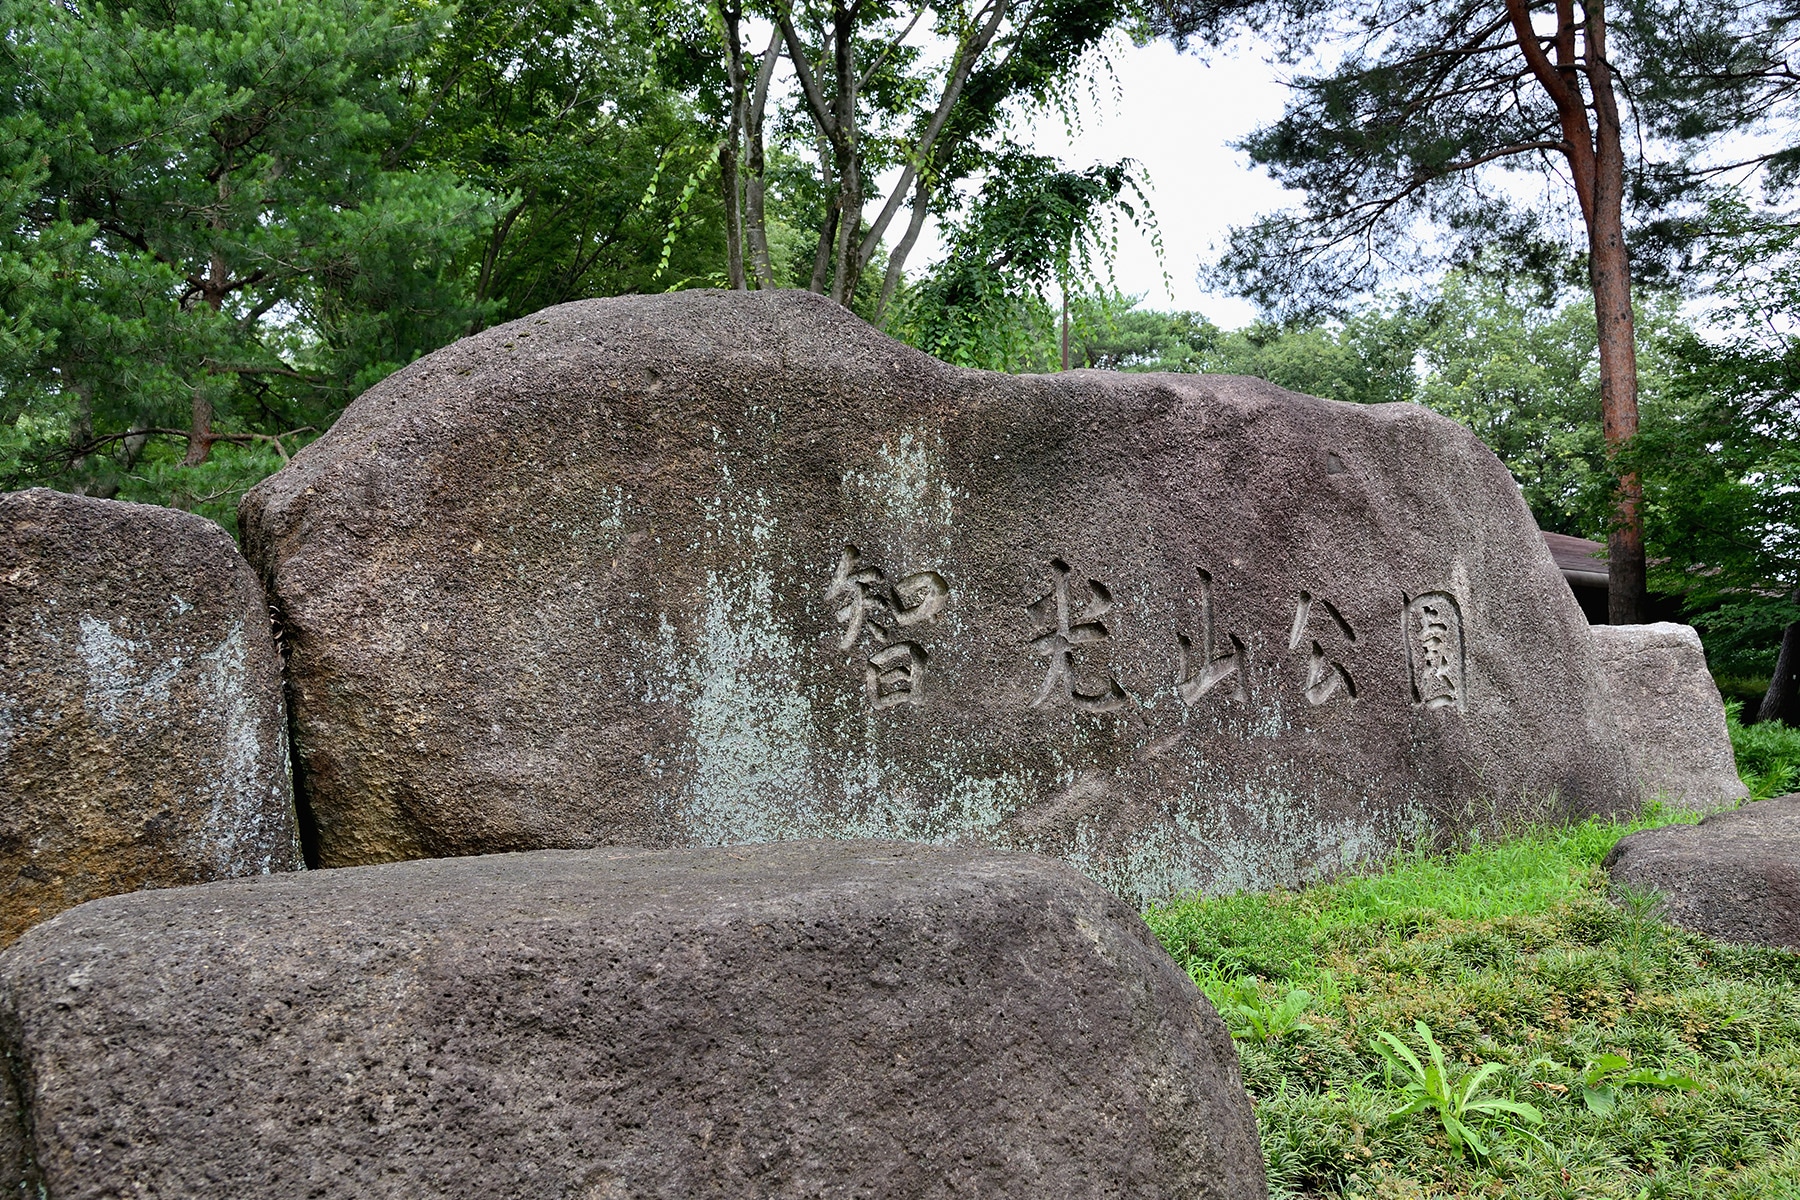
872, 100
1034, 226
1723, 479
1393, 146
234, 255
580, 117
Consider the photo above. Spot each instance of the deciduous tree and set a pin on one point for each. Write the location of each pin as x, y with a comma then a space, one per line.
873, 99
1393, 144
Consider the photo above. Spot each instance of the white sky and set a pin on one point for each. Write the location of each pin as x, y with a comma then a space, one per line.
1176, 116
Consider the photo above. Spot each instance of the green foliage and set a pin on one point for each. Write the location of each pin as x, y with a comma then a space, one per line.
1515, 959
1033, 225
209, 240
1523, 375
933, 124
1601, 1079
1251, 1016
1366, 359
1418, 138
1767, 753
581, 118
1459, 1103
1722, 470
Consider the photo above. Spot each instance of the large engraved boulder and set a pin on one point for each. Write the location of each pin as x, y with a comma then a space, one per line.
723, 567
1735, 876
1670, 713
805, 1019
143, 739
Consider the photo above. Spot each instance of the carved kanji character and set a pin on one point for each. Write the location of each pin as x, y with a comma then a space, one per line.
1064, 634
1192, 680
1434, 649
896, 675
1325, 676
865, 603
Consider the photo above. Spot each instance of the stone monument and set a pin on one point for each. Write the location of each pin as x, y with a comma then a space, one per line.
718, 567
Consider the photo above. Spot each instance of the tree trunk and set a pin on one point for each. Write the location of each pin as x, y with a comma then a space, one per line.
1597, 166
216, 287
845, 149
756, 225
200, 434
730, 14
896, 263
1609, 266
1782, 701
821, 273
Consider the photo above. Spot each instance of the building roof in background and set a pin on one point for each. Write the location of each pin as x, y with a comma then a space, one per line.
1578, 559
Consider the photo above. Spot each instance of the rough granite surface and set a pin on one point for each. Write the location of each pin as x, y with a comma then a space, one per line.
1735, 876
1670, 713
143, 738
826, 1019
718, 567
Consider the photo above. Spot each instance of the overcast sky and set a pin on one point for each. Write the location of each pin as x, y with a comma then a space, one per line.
1176, 116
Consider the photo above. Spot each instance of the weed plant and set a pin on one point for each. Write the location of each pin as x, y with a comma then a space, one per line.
1661, 1064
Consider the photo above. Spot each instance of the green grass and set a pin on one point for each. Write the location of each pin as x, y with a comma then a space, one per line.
1510, 954
1768, 754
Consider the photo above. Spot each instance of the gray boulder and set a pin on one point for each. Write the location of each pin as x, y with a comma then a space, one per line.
143, 739
1670, 713
721, 567
827, 1019
1735, 876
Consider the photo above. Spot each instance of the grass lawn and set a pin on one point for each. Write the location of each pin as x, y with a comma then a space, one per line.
1510, 954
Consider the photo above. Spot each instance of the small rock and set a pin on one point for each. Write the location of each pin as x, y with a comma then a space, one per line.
836, 1019
1735, 876
143, 739
1670, 713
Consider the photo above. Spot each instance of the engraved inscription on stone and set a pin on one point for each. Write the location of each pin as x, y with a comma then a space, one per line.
1326, 676
896, 674
1433, 633
1198, 674
1063, 631
865, 602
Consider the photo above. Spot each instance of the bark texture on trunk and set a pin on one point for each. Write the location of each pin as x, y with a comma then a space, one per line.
1596, 157
846, 151
1782, 701
1610, 265
728, 152
213, 292
756, 225
200, 434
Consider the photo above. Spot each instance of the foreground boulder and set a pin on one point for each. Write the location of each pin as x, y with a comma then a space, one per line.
143, 741
1670, 713
719, 567
1735, 876
804, 1019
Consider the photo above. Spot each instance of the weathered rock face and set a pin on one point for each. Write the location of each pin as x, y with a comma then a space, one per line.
714, 567
1735, 876
1670, 712
804, 1019
143, 741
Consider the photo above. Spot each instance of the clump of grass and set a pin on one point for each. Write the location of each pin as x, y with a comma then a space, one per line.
1768, 754
1662, 1064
